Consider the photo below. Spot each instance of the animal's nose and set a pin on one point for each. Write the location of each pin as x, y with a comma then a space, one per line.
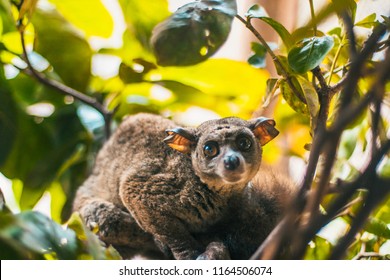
231, 162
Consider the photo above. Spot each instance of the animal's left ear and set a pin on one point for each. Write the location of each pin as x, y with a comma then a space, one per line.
264, 129
180, 139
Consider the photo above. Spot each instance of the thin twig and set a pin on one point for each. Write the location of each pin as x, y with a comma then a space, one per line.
334, 62
357, 64
366, 255
317, 73
349, 189
274, 57
375, 196
313, 17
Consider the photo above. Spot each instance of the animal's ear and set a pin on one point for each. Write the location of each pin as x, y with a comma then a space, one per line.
180, 139
264, 129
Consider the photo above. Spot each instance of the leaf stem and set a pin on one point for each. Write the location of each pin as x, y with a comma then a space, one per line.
251, 28
334, 62
313, 17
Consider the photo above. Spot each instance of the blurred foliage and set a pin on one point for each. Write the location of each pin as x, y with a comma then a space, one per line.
32, 235
48, 141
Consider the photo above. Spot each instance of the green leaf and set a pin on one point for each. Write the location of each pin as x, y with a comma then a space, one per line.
286, 67
311, 96
129, 75
3, 207
41, 144
368, 22
141, 17
67, 51
386, 20
92, 247
8, 119
309, 53
257, 11
348, 143
291, 98
356, 98
27, 9
383, 211
272, 85
1, 28
257, 60
31, 235
58, 199
383, 169
6, 17
36, 233
377, 227
97, 21
12, 43
193, 33
318, 249
305, 32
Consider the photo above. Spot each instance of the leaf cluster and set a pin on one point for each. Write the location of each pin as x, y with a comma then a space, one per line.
32, 235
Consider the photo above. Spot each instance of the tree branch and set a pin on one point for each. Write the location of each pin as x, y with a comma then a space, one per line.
328, 139
65, 90
366, 255
376, 194
279, 65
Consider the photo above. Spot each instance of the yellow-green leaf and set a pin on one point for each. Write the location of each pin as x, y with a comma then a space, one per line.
141, 17
228, 77
377, 227
6, 17
11, 40
88, 15
27, 8
311, 97
1, 28
64, 48
368, 22
291, 97
384, 168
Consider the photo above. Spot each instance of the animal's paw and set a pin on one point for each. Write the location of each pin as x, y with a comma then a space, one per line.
215, 251
110, 223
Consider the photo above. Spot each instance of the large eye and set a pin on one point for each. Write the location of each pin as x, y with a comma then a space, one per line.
211, 149
244, 143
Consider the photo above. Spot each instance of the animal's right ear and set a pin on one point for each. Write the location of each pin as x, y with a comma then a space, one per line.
180, 139
264, 129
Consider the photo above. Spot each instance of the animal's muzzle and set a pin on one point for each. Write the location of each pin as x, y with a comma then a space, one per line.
231, 162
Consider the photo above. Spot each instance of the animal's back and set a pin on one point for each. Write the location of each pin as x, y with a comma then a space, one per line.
137, 139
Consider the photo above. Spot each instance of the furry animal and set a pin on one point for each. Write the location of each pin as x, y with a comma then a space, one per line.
164, 191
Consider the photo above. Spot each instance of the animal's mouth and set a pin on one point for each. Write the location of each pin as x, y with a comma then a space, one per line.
238, 176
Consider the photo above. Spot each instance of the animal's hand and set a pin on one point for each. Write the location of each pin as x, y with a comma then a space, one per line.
215, 251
